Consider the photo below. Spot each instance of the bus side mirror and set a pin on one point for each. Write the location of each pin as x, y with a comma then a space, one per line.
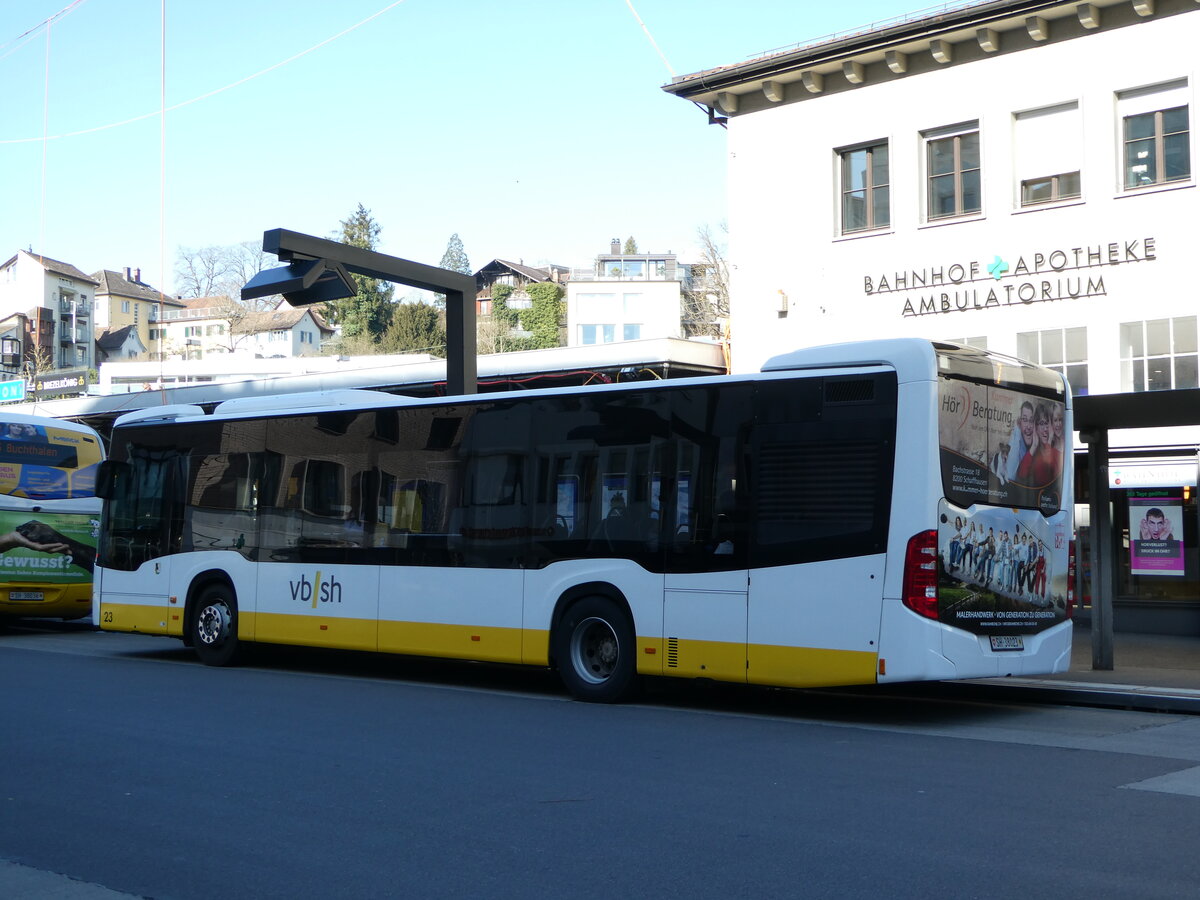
108, 476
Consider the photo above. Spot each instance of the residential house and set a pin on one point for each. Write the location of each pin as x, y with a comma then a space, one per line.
122, 298
209, 326
122, 343
58, 301
284, 331
514, 274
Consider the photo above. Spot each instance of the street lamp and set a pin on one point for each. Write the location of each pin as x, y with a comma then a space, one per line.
318, 270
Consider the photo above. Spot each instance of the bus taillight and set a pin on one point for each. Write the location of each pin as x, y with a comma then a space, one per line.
921, 575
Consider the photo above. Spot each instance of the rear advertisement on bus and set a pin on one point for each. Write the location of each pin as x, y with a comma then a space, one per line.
1002, 571
49, 548
1001, 446
42, 462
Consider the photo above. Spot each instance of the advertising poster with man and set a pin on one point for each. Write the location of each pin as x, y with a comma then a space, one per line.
1000, 446
1155, 545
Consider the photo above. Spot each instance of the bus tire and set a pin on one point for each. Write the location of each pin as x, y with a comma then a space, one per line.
213, 626
595, 650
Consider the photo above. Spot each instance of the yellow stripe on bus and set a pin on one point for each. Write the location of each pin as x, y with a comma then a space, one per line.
309, 631
137, 617
451, 641
809, 666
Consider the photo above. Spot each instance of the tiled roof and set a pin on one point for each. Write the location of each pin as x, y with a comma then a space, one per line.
112, 340
281, 319
116, 284
58, 267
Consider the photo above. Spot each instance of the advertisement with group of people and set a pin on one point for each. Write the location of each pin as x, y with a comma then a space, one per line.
1001, 570
1001, 446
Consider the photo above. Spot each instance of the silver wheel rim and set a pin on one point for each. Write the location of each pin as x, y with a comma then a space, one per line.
595, 650
212, 623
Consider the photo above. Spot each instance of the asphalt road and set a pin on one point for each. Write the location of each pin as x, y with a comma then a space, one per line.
130, 769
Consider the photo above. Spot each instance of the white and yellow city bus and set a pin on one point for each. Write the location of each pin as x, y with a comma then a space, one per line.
857, 513
49, 516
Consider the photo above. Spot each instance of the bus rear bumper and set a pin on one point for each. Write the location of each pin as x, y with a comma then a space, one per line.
919, 649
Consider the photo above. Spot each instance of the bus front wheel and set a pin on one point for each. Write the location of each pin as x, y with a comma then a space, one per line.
214, 626
595, 651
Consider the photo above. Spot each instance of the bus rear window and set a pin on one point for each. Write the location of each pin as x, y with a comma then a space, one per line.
1001, 446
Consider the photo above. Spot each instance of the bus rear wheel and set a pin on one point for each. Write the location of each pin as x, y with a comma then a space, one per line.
595, 651
214, 627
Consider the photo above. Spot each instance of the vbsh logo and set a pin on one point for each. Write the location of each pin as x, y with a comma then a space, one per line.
315, 591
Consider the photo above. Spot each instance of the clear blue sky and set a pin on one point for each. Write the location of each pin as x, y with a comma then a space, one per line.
536, 130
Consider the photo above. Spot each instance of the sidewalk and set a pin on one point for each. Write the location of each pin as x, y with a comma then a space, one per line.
1150, 671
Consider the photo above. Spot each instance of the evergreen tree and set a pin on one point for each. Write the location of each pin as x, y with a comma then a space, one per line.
630, 245
415, 328
454, 259
369, 312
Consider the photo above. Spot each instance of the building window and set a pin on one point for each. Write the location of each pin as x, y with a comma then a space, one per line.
1158, 354
632, 332
1061, 349
597, 334
1050, 189
1047, 153
1156, 148
953, 172
124, 306
865, 186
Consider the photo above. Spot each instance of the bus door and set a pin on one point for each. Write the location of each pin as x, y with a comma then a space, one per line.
144, 529
705, 588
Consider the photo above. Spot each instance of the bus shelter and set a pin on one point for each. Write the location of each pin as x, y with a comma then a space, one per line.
1095, 418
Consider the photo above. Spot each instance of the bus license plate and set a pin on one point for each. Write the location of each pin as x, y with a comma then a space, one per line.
26, 595
1007, 642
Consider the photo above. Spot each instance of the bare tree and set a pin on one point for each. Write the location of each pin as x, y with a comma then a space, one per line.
202, 272
221, 271
39, 360
246, 260
706, 299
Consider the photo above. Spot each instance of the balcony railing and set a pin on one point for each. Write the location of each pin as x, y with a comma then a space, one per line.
613, 274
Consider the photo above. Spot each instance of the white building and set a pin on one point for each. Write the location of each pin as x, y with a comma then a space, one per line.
1019, 175
624, 297
59, 301
213, 326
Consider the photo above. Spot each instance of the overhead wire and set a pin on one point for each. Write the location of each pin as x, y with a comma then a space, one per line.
25, 37
215, 91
